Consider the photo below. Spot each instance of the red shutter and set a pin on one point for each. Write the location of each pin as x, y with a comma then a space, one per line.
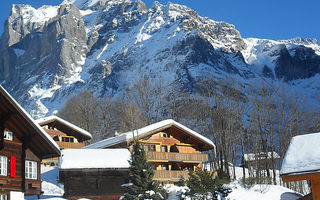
12, 166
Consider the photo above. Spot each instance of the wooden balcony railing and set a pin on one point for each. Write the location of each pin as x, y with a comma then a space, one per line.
170, 174
70, 145
176, 157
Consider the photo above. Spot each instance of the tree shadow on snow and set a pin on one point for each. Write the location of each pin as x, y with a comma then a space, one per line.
290, 196
51, 176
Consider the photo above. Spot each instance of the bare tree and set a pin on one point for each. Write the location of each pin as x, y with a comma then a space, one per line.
223, 114
83, 110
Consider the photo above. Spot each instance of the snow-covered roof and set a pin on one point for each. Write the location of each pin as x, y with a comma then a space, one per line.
94, 159
260, 156
153, 128
47, 120
303, 155
33, 122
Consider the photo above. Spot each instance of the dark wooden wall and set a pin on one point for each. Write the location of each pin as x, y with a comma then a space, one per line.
20, 151
12, 148
33, 187
93, 184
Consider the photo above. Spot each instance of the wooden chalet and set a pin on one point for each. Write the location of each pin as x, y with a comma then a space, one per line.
302, 162
64, 133
23, 144
172, 148
94, 173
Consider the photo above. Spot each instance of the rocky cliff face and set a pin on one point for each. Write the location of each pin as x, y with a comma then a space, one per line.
286, 60
50, 54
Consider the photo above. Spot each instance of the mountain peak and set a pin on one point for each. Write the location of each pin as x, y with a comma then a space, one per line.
32, 15
90, 4
303, 41
23, 20
106, 46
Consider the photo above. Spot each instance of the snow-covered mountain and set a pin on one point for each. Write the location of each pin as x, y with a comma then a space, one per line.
50, 54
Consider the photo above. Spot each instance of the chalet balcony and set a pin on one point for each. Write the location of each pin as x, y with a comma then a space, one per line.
176, 157
173, 175
70, 145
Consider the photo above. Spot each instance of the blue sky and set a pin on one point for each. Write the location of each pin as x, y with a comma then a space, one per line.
270, 19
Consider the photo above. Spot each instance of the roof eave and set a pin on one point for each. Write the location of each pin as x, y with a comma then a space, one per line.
173, 123
96, 169
55, 149
53, 118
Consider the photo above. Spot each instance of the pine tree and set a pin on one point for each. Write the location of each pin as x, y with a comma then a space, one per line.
182, 181
204, 186
141, 185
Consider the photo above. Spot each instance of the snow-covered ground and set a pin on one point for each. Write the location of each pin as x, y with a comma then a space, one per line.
257, 192
261, 192
50, 186
54, 191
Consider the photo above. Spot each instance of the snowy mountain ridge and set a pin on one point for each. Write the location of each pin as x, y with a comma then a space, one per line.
105, 46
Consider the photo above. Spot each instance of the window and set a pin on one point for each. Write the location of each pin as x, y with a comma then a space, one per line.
3, 166
164, 149
146, 147
65, 139
164, 166
8, 135
149, 147
3, 197
152, 147
31, 170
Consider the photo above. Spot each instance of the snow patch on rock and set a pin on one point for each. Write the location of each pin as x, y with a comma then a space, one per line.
32, 15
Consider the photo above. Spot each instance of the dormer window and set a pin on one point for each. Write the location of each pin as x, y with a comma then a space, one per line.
8, 135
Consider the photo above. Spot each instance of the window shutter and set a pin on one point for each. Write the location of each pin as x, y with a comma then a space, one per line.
12, 166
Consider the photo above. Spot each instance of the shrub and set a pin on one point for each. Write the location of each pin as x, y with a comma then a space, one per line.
250, 181
223, 177
204, 186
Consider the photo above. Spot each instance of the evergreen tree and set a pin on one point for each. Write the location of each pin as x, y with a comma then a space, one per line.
182, 181
204, 186
141, 185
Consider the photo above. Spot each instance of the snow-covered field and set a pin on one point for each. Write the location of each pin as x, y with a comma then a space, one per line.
54, 191
257, 192
261, 192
